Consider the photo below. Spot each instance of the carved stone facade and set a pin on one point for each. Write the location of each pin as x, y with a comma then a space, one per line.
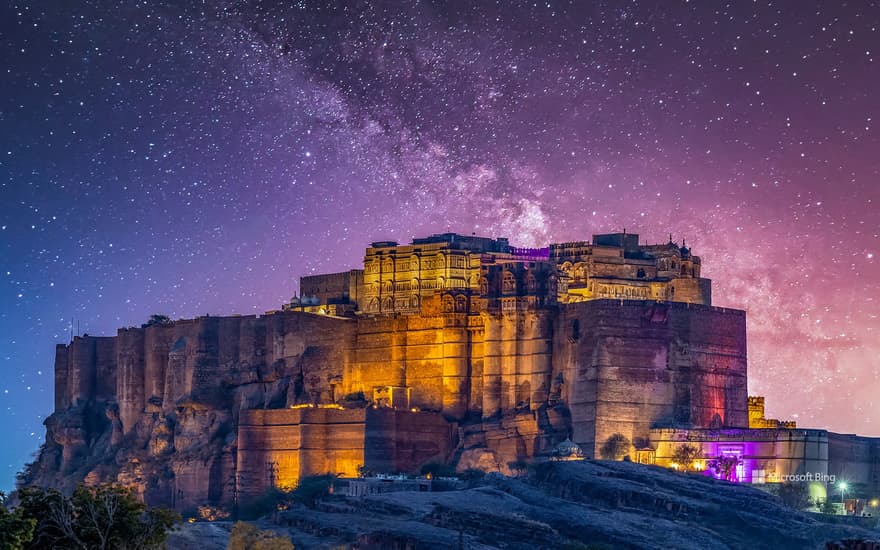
397, 278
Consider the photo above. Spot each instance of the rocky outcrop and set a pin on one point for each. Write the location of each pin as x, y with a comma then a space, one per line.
157, 407
579, 504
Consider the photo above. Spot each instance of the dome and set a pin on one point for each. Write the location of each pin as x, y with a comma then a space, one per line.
568, 449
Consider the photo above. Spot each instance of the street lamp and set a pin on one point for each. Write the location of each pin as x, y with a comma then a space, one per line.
843, 487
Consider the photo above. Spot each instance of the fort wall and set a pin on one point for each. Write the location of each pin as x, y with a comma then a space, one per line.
629, 366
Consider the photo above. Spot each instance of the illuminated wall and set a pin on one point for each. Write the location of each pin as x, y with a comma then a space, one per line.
277, 447
629, 366
764, 455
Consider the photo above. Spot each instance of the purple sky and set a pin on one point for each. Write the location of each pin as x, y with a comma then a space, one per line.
199, 159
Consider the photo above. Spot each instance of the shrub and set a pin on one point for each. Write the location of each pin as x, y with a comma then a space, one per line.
615, 447
686, 455
102, 517
247, 536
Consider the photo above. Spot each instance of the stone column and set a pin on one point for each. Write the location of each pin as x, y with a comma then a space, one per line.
130, 377
455, 372
492, 354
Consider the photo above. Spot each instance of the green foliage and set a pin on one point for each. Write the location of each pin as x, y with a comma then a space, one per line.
273, 499
795, 495
247, 536
158, 320
16, 531
724, 466
686, 455
615, 447
102, 517
311, 489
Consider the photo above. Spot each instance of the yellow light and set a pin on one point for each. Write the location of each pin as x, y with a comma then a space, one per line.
674, 466
875, 503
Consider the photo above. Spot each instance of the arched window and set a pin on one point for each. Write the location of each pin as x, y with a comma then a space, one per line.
448, 304
508, 284
484, 286
460, 304
641, 274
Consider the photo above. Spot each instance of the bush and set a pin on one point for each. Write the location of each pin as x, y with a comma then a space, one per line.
270, 501
795, 495
686, 455
16, 531
615, 447
101, 517
247, 536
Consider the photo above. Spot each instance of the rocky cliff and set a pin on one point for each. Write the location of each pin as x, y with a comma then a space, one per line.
579, 504
157, 407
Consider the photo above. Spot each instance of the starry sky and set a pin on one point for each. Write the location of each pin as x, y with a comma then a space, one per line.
187, 158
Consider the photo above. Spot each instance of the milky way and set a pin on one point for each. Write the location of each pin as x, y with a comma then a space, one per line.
188, 158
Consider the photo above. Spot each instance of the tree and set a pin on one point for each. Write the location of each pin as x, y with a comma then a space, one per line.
615, 447
247, 536
686, 456
724, 466
311, 489
157, 319
102, 517
795, 495
16, 531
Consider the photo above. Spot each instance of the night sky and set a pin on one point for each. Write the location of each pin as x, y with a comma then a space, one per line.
187, 158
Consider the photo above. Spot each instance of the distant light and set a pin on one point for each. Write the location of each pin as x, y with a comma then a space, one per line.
844, 486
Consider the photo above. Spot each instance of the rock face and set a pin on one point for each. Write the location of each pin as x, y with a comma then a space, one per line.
158, 407
578, 504
204, 411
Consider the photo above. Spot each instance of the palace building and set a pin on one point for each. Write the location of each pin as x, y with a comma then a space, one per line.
456, 349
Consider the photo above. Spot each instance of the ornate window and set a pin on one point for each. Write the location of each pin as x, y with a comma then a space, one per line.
508, 283
532, 284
